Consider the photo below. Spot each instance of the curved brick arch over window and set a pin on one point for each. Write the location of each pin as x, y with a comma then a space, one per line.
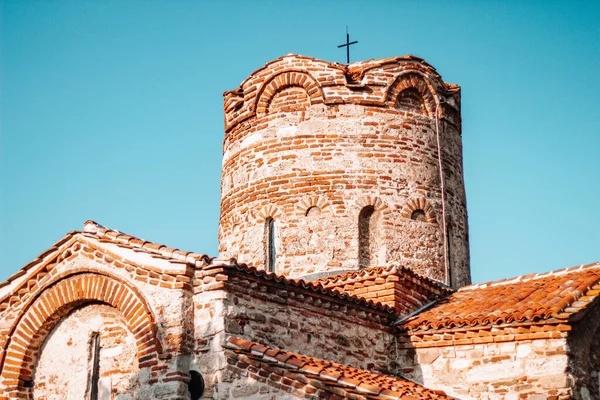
412, 81
269, 211
287, 80
307, 203
59, 300
420, 204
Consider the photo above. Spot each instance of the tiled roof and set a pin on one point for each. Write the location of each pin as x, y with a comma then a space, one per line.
328, 380
394, 285
202, 261
365, 275
310, 285
156, 250
102, 234
555, 296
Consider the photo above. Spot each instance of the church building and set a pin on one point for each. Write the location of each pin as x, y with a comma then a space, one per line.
343, 269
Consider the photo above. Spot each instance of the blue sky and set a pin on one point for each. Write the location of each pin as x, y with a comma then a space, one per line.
112, 111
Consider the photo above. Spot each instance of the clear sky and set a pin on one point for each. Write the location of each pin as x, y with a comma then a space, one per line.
112, 111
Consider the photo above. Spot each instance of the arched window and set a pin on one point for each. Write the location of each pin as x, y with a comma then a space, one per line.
365, 235
271, 250
418, 215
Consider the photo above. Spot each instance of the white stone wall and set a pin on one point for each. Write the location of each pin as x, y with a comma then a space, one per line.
512, 370
64, 367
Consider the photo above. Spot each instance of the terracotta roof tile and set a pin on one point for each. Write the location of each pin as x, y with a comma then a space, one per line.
93, 230
106, 235
378, 275
341, 379
557, 296
394, 285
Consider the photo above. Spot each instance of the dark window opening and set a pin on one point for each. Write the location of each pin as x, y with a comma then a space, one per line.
365, 235
94, 376
418, 215
270, 245
196, 385
449, 250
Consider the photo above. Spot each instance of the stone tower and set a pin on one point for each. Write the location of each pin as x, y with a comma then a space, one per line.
329, 167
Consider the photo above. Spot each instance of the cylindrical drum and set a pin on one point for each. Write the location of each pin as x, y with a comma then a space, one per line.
330, 167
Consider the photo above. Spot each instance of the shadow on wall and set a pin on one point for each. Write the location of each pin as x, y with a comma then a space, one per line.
583, 346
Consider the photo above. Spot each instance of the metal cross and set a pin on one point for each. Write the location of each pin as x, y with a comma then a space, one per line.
347, 46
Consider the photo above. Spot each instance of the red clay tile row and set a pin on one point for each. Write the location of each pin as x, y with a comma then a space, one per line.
430, 287
557, 295
332, 377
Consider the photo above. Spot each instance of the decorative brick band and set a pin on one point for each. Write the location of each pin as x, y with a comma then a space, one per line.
55, 302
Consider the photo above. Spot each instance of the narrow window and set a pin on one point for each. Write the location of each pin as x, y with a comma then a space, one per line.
94, 375
270, 244
365, 235
449, 250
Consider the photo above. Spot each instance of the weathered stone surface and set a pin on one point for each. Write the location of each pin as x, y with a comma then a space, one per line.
321, 167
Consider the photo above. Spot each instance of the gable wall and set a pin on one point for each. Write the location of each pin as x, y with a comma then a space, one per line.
165, 297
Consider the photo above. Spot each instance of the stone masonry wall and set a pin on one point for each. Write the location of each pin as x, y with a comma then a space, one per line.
584, 355
310, 144
153, 304
64, 366
288, 318
509, 363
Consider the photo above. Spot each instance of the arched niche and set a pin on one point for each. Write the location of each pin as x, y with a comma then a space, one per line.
294, 91
59, 299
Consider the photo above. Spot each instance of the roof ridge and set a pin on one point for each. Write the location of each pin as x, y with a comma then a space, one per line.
299, 282
532, 276
388, 269
120, 238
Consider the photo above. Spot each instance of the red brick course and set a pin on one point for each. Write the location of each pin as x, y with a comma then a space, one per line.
302, 131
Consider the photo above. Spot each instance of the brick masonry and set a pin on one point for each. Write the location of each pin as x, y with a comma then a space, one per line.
344, 160
310, 144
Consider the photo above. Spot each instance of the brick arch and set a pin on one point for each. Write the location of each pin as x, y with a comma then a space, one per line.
376, 202
286, 80
58, 300
313, 201
268, 211
420, 203
412, 80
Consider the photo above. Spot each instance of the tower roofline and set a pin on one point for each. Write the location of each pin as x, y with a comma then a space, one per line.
367, 83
